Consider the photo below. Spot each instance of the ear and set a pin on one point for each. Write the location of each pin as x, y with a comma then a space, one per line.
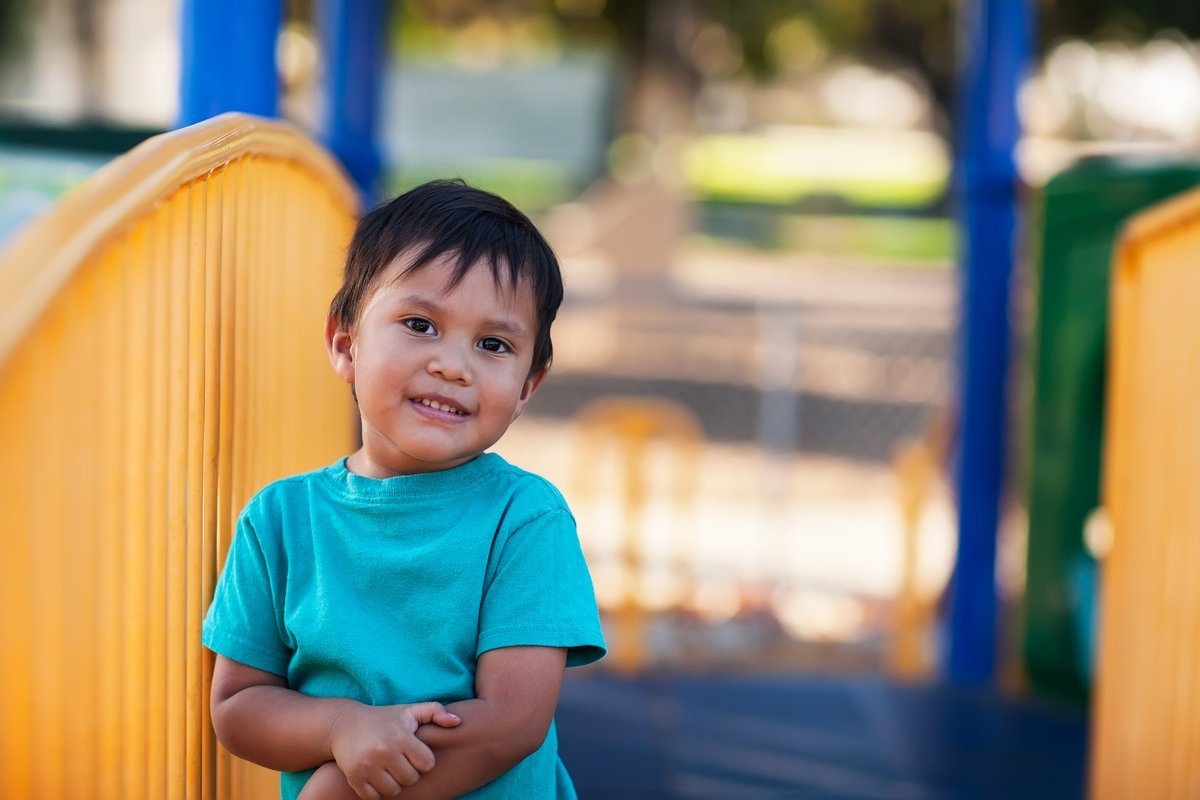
339, 342
529, 388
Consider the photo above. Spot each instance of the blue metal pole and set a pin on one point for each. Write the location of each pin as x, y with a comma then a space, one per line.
228, 58
997, 36
354, 35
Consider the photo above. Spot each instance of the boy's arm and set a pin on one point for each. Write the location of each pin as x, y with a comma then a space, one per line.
259, 719
516, 692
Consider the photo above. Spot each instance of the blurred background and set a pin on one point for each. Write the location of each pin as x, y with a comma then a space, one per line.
752, 407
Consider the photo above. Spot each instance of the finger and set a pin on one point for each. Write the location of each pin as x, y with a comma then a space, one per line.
366, 791
419, 755
424, 713
385, 784
447, 719
404, 774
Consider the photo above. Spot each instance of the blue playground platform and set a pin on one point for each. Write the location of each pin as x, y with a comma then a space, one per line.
797, 738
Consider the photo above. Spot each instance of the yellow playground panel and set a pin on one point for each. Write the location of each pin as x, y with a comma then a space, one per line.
1145, 740
160, 359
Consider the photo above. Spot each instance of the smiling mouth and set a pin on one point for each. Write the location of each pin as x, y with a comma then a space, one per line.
443, 407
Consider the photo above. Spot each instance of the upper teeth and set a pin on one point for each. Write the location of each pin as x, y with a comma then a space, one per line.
434, 404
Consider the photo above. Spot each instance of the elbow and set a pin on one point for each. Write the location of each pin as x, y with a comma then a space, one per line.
225, 724
505, 753
219, 712
527, 738
512, 744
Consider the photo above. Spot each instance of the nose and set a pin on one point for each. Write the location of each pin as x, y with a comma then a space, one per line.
450, 363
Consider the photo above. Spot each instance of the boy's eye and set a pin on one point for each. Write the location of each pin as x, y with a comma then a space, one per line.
493, 345
418, 325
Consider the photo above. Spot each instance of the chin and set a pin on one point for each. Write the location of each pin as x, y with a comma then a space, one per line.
436, 460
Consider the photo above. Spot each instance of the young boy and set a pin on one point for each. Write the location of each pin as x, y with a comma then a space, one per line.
400, 620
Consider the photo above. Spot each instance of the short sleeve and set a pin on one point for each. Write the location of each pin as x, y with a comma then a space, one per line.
540, 592
243, 622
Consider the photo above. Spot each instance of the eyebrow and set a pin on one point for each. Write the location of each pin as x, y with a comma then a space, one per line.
506, 326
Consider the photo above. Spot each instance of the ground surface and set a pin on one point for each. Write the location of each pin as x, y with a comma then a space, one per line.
813, 738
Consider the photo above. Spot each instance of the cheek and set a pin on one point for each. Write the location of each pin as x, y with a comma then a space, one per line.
384, 358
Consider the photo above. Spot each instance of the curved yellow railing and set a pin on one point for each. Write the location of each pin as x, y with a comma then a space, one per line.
1146, 734
160, 359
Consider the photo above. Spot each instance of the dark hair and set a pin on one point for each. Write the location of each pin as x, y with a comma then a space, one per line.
448, 216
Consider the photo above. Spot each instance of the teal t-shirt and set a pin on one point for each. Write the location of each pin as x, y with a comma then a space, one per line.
388, 591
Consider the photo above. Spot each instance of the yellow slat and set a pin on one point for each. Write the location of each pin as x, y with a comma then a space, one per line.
200, 677
109, 562
139, 337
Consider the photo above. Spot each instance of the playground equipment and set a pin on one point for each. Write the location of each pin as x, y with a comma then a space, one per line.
1082, 210
916, 466
1147, 695
154, 372
632, 424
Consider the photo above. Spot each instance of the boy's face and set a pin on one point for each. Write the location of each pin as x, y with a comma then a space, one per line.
439, 373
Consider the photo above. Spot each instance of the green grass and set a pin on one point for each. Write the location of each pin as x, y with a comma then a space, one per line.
911, 173
882, 239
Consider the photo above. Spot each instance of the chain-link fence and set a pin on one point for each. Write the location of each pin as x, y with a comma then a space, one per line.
841, 362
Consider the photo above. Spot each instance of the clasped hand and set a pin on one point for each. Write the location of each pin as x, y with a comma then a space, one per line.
377, 749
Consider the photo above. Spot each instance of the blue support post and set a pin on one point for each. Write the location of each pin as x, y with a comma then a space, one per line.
354, 35
997, 39
228, 58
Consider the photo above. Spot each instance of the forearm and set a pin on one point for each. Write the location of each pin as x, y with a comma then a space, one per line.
278, 728
491, 740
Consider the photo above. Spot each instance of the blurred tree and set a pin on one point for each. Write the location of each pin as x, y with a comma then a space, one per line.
15, 17
664, 35
662, 42
1135, 20
18, 19
85, 24
659, 39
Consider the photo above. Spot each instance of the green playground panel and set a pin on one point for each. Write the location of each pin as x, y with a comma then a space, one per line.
1081, 213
